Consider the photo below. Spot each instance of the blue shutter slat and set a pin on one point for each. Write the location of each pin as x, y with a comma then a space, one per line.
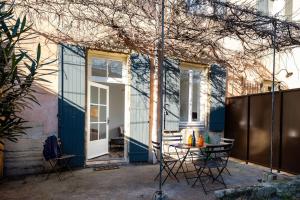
139, 108
171, 94
218, 78
72, 101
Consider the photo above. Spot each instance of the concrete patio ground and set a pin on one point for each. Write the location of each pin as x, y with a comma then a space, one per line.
129, 182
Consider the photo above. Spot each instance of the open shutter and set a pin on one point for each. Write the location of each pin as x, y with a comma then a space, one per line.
72, 101
139, 108
217, 101
171, 95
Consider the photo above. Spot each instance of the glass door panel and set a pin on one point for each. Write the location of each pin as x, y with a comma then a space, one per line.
98, 120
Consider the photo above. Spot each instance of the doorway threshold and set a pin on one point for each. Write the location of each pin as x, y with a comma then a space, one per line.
110, 158
118, 161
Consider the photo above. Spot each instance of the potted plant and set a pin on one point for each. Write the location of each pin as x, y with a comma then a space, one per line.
18, 72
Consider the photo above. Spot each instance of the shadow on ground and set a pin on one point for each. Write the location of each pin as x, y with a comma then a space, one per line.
129, 182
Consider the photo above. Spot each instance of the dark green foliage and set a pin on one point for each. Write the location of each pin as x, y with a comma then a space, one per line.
18, 71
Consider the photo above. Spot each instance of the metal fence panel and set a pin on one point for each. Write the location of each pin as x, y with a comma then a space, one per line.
291, 132
248, 121
236, 125
260, 129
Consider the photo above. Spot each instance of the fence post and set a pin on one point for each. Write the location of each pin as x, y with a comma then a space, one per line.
248, 128
280, 132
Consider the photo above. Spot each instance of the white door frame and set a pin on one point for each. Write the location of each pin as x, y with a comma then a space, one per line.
97, 147
89, 79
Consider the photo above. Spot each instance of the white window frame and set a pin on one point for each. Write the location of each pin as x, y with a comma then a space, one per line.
111, 57
203, 95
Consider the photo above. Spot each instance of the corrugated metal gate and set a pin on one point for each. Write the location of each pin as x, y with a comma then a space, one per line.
248, 121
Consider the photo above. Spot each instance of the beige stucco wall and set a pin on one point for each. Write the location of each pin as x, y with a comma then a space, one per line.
284, 60
25, 156
46, 112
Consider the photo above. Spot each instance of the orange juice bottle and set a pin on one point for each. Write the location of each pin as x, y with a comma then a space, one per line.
200, 141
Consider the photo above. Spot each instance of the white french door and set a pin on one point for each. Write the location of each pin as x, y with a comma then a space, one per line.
98, 113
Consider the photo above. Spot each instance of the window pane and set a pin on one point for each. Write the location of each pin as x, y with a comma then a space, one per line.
94, 113
102, 114
99, 67
94, 95
115, 69
103, 96
196, 96
102, 129
93, 132
184, 95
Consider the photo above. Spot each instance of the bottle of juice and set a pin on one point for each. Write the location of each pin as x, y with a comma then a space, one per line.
190, 140
200, 141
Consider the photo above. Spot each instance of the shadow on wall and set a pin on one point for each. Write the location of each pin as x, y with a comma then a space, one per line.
139, 108
138, 152
140, 96
71, 101
71, 130
25, 156
141, 73
218, 77
171, 93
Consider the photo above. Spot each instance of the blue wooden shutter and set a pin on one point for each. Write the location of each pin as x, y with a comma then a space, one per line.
218, 91
72, 101
171, 94
139, 108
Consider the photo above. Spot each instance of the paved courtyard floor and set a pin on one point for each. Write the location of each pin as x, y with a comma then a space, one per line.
129, 182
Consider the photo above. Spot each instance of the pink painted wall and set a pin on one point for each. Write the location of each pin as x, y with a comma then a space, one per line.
25, 156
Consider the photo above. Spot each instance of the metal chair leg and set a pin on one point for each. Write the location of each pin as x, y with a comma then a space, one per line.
169, 173
54, 169
228, 171
220, 175
172, 173
67, 164
199, 173
203, 186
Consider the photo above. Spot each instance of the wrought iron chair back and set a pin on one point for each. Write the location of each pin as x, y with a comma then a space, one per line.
169, 138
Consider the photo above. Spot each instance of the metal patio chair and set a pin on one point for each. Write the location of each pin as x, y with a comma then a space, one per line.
169, 138
168, 162
175, 137
227, 141
58, 161
215, 157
